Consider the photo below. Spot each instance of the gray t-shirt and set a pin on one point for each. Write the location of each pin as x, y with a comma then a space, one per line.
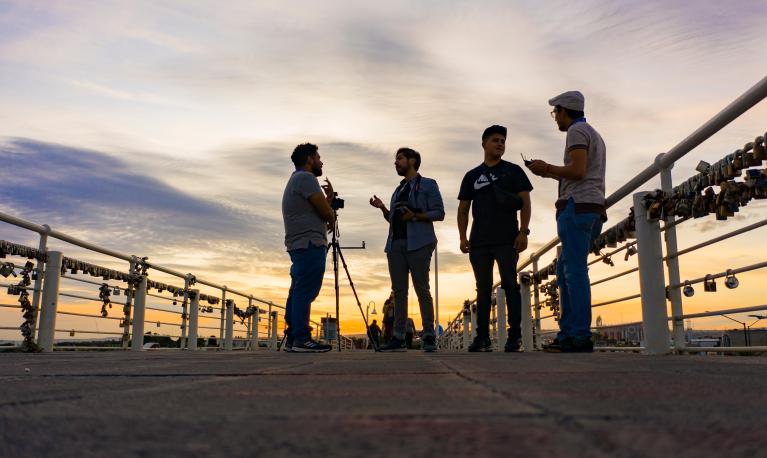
591, 189
302, 222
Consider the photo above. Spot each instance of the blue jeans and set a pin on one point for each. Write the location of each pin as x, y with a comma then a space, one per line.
577, 231
306, 274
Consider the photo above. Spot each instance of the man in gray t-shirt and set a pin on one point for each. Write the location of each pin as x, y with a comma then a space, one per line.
307, 215
580, 214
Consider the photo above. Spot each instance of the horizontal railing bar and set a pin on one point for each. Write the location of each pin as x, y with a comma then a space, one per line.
62, 312
89, 332
10, 306
70, 277
614, 301
80, 297
28, 288
723, 349
86, 347
739, 270
605, 326
613, 277
163, 310
596, 260
618, 348
755, 308
722, 237
150, 322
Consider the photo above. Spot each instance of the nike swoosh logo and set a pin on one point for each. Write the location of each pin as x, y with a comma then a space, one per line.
481, 185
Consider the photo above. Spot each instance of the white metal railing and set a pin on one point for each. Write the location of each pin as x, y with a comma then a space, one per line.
187, 312
643, 225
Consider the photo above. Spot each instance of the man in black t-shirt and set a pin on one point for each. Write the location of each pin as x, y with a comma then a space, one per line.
494, 192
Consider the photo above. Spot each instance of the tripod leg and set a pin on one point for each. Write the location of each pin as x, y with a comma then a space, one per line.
356, 297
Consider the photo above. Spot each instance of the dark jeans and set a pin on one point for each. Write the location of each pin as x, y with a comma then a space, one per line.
306, 274
417, 263
577, 231
482, 260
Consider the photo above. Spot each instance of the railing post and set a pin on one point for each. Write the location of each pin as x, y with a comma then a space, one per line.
229, 325
184, 315
466, 325
194, 313
253, 326
273, 342
527, 316
50, 301
223, 309
473, 320
537, 303
254, 332
269, 325
672, 265
139, 310
651, 280
127, 308
500, 303
40, 268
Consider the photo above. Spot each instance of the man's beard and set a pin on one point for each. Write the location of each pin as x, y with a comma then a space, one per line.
317, 171
400, 172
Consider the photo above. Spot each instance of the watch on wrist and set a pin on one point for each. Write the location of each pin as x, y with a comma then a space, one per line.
525, 231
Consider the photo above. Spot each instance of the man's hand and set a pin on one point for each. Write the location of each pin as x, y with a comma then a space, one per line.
328, 188
407, 214
376, 202
465, 246
520, 243
538, 168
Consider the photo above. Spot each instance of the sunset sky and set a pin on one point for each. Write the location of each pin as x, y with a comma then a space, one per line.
164, 128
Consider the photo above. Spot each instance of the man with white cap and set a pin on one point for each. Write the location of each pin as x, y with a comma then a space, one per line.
580, 215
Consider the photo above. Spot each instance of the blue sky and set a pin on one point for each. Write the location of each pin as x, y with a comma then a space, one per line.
183, 114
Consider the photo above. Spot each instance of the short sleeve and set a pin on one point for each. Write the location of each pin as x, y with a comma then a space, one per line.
306, 185
523, 183
576, 139
467, 190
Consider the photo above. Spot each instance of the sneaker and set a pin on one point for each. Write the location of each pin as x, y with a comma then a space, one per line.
570, 345
310, 346
288, 347
394, 344
481, 344
429, 344
512, 346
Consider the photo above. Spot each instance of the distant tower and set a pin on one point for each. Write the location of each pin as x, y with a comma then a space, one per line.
599, 321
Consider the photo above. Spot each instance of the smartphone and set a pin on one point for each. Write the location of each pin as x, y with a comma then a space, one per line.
525, 160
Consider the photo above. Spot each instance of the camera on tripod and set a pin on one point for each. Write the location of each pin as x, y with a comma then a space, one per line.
337, 203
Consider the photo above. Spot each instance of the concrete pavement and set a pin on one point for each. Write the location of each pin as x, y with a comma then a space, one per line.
163, 403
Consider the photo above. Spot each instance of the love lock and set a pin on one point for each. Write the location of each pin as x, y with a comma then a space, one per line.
7, 269
731, 282
759, 151
630, 251
688, 290
709, 284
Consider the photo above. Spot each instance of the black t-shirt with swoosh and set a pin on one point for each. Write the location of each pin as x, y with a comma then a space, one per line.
492, 225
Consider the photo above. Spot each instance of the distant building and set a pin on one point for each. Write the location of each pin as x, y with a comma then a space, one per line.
626, 334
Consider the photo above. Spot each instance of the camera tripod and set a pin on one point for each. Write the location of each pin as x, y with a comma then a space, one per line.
338, 254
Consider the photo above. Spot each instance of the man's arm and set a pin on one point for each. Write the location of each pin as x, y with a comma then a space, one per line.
378, 203
575, 171
524, 215
463, 223
320, 203
436, 210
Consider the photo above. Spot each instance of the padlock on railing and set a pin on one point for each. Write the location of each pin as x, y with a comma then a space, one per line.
688, 290
760, 153
731, 282
709, 284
